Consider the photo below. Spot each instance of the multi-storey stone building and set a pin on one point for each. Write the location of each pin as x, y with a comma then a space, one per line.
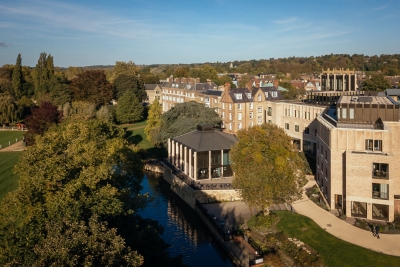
357, 156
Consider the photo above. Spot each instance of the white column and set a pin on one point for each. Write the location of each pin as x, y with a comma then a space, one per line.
169, 150
173, 152
195, 166
185, 160
334, 82
190, 157
180, 157
343, 82
355, 81
209, 165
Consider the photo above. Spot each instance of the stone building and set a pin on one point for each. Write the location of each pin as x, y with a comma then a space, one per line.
153, 91
357, 156
338, 80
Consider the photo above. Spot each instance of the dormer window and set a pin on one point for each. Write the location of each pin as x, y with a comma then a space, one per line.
274, 94
259, 97
238, 96
248, 95
266, 94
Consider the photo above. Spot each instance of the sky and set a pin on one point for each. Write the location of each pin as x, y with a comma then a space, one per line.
101, 32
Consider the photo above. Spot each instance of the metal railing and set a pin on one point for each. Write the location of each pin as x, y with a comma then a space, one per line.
195, 184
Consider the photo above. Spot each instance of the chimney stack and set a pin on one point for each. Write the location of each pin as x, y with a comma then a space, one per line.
248, 85
227, 87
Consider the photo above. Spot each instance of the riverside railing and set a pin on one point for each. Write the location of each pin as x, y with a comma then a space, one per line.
195, 184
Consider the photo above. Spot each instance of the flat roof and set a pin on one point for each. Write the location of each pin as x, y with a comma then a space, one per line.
365, 99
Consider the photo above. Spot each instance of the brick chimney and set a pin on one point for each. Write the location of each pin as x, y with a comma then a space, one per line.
248, 85
209, 81
227, 87
257, 84
276, 84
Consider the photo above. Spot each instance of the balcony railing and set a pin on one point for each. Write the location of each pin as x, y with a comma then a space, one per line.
380, 174
380, 195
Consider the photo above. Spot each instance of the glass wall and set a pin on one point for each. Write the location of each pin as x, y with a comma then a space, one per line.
380, 212
216, 164
359, 209
202, 165
227, 164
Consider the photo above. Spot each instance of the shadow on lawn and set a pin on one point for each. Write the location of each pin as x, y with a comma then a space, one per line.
134, 139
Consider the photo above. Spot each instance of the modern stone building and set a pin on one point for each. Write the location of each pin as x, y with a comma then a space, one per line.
357, 156
202, 154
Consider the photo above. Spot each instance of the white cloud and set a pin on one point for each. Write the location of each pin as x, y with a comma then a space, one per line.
285, 21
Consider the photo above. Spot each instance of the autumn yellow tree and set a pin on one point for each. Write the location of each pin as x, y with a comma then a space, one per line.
267, 167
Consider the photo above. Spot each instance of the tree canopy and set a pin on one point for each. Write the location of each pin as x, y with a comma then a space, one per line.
153, 119
267, 167
129, 109
77, 203
127, 82
92, 86
377, 82
181, 119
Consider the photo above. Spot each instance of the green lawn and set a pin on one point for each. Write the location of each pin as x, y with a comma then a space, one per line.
136, 135
6, 136
8, 180
334, 251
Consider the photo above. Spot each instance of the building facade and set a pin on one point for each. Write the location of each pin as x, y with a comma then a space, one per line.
357, 156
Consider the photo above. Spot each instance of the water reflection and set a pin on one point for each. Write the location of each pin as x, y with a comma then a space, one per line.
183, 230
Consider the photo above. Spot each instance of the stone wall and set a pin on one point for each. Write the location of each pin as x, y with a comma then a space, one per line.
154, 167
189, 195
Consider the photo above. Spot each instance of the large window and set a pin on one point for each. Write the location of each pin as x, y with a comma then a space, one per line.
373, 145
380, 212
307, 130
259, 109
296, 128
380, 171
380, 191
287, 126
251, 115
251, 106
269, 111
239, 116
239, 106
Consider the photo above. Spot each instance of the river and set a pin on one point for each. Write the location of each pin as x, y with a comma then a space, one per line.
183, 229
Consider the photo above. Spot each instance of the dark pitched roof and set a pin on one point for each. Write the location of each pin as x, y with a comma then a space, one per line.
189, 86
271, 90
149, 86
207, 141
212, 92
242, 93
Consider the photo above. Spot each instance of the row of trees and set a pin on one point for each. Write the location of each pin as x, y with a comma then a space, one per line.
22, 88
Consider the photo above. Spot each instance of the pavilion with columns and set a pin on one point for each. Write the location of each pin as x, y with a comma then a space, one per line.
202, 154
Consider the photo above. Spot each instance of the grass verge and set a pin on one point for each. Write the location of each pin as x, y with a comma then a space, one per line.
333, 251
10, 136
8, 180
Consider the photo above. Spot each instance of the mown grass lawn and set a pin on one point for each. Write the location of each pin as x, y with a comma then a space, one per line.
8, 180
9, 136
334, 251
136, 135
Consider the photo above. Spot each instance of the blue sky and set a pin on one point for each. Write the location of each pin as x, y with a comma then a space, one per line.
97, 32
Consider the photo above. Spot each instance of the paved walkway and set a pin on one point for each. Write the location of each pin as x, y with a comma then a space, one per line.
387, 244
14, 147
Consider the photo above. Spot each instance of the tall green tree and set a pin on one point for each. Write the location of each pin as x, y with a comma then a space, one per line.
377, 82
75, 179
92, 86
121, 67
183, 118
153, 119
267, 167
8, 108
129, 108
127, 82
17, 77
44, 70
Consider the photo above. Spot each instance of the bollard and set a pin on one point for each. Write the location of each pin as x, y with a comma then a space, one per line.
9, 142
16, 140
